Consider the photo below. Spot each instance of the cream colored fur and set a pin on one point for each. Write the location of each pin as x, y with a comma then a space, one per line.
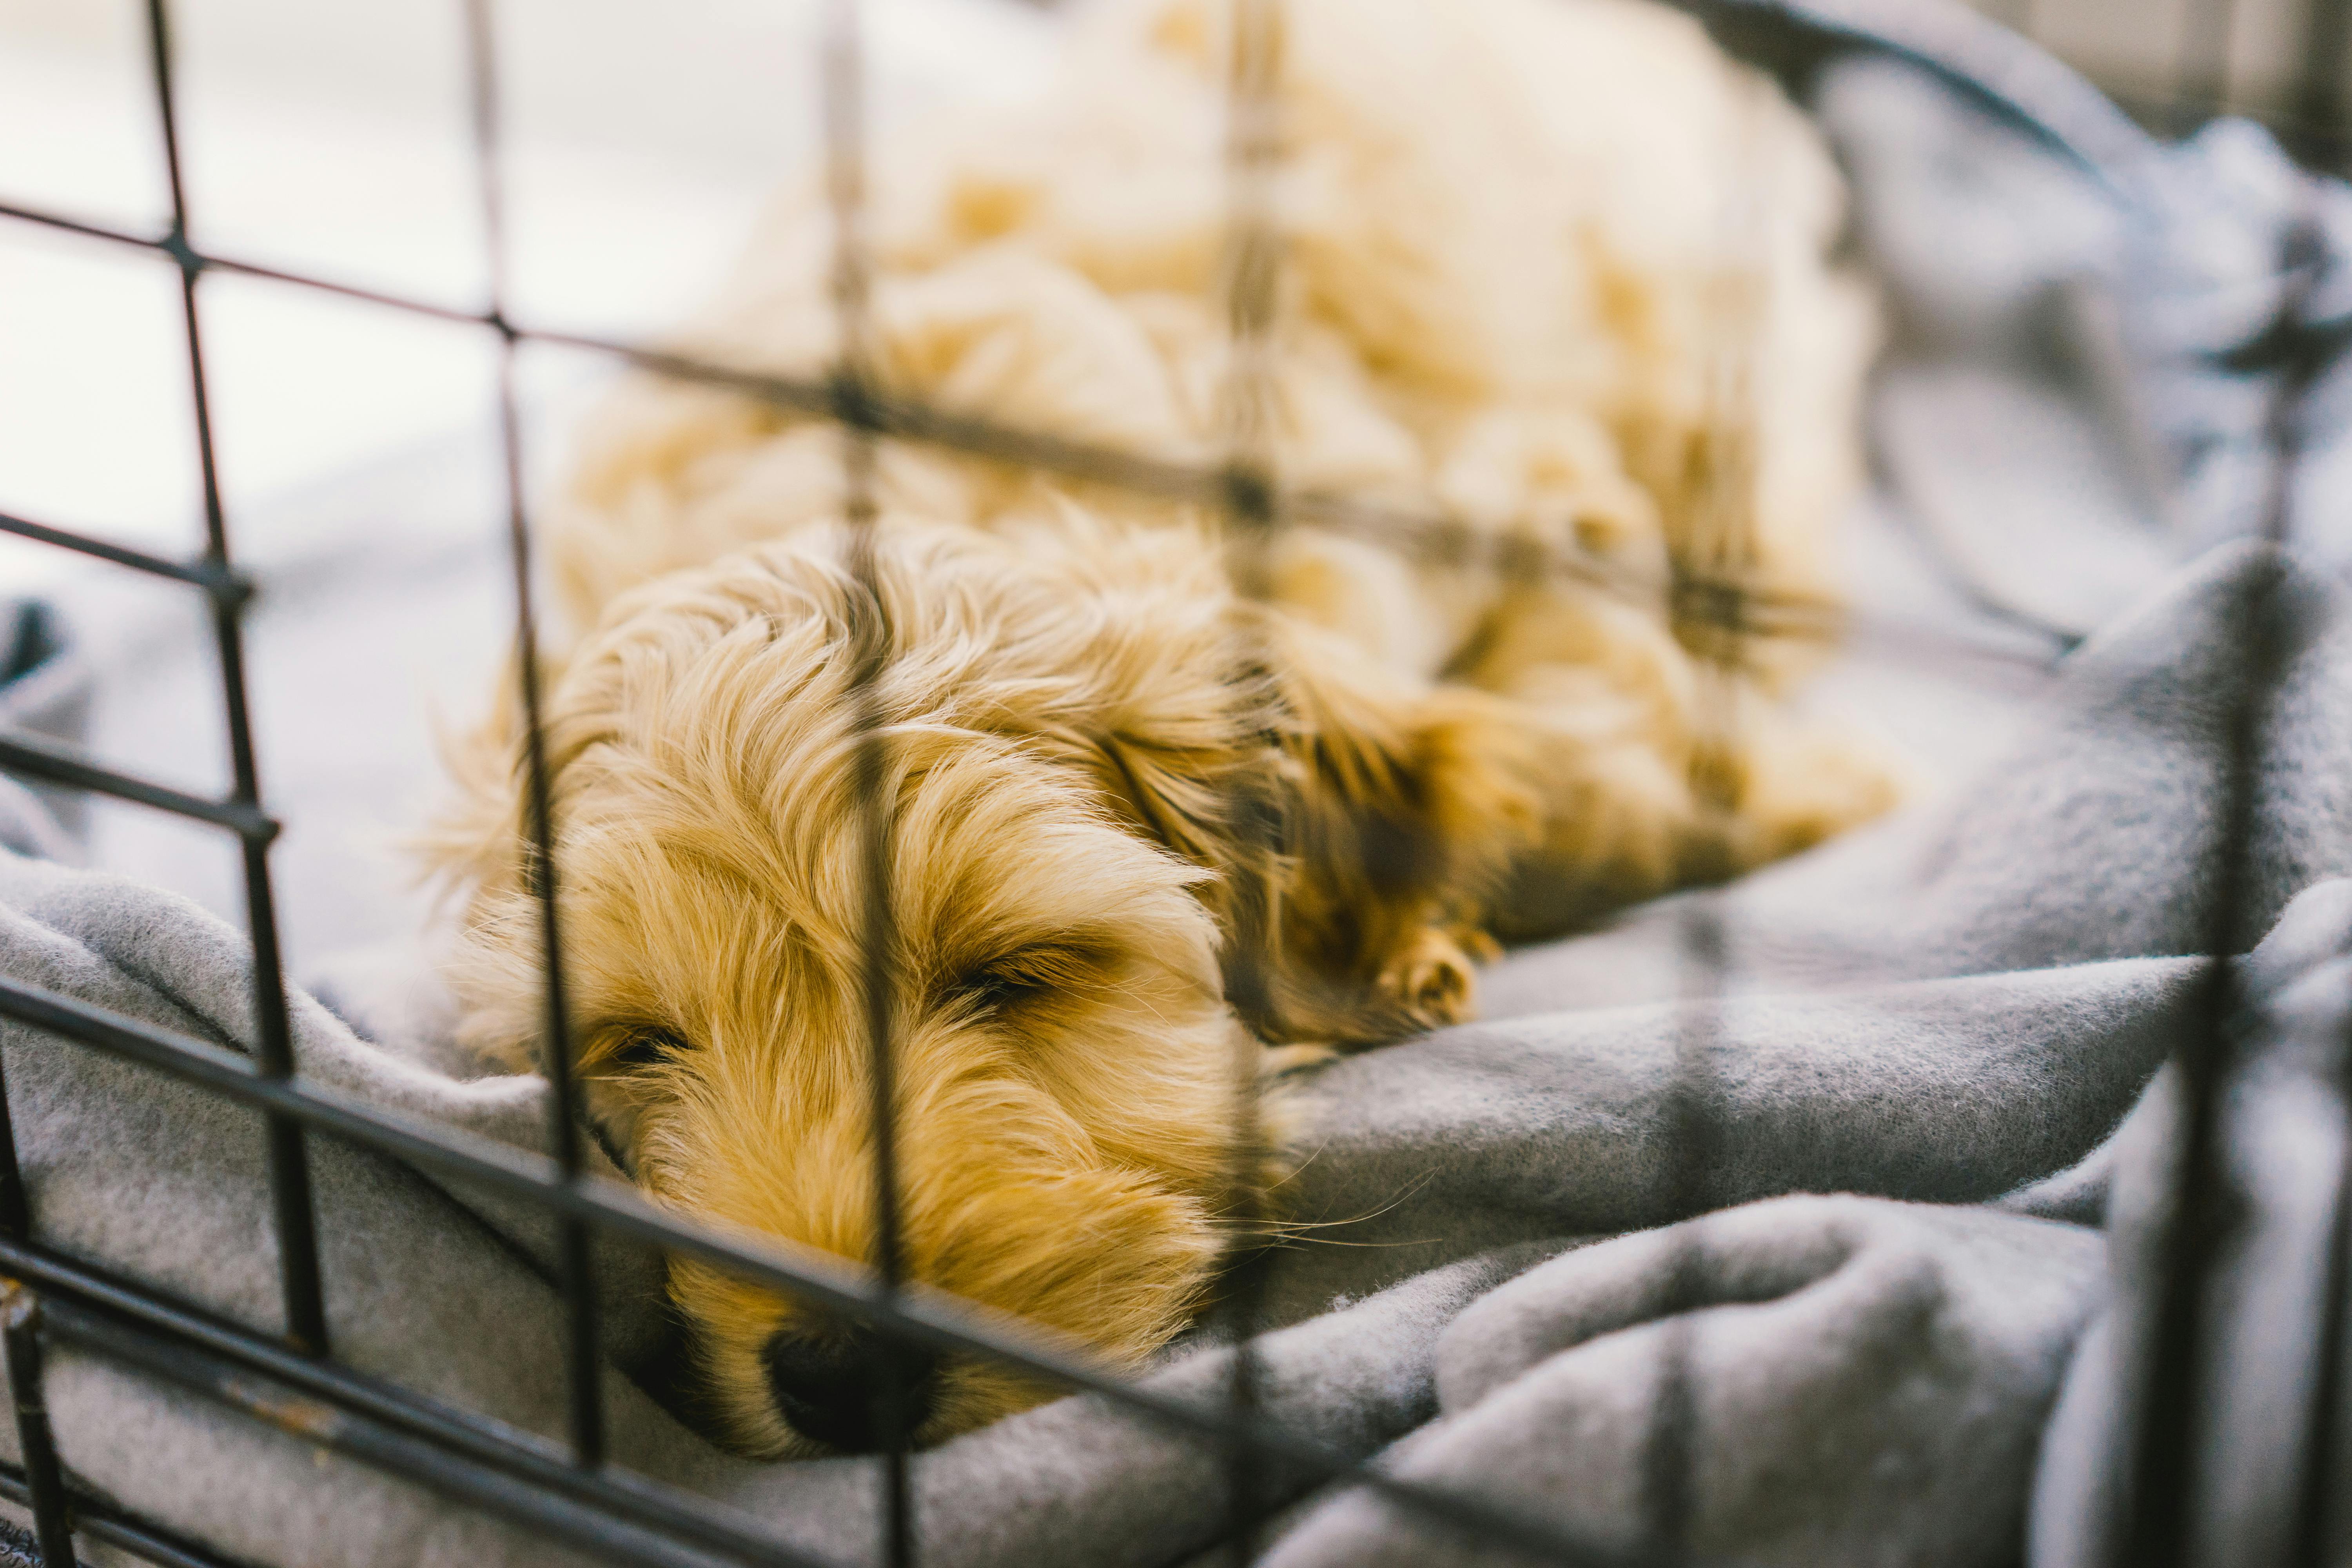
1519, 235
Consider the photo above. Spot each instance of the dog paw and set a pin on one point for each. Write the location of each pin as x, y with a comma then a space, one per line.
1431, 981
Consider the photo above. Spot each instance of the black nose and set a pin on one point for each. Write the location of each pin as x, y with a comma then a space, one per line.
836, 1386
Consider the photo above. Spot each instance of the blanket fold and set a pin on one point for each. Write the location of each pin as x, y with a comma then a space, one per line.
1836, 1341
1864, 1382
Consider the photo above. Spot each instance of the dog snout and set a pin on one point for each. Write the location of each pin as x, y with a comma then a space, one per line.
837, 1388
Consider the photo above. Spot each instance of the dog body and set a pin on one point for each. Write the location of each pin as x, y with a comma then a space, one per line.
1507, 294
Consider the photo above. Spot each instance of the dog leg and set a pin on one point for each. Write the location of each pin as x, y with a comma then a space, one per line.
1637, 810
1408, 804
1796, 784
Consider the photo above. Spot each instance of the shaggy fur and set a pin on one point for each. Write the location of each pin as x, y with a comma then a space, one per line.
1507, 291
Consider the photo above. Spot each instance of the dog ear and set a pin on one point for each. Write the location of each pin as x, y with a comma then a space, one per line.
472, 840
474, 854
1354, 822
480, 839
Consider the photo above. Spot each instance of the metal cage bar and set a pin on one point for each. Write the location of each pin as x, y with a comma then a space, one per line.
921, 1320
852, 386
1720, 546
2317, 108
1431, 534
96, 1519
293, 1223
2202, 76
204, 573
54, 762
1248, 413
45, 1487
583, 1360
2318, 1504
478, 1460
574, 1492
2196, 1219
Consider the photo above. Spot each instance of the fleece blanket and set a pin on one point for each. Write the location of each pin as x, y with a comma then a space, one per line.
1950, 1014
1911, 1315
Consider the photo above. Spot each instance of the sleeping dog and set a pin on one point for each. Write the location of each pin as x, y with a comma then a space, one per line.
1511, 290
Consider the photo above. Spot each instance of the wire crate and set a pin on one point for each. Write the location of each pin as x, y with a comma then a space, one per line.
570, 1492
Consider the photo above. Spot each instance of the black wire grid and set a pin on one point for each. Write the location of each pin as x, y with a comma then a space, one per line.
568, 1490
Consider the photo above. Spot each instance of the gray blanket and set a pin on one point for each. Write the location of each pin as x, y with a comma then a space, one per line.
1913, 1101
1945, 1013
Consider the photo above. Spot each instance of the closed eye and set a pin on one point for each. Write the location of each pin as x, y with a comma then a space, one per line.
1028, 975
647, 1047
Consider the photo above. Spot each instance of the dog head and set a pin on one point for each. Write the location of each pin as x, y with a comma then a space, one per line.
1064, 1055
1098, 776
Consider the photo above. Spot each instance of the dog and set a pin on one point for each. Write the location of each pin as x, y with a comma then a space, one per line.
1105, 771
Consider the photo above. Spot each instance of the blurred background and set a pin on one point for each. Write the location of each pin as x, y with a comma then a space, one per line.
333, 138
355, 444
2177, 63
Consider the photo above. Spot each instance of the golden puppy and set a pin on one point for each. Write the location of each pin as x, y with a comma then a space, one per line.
1508, 295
